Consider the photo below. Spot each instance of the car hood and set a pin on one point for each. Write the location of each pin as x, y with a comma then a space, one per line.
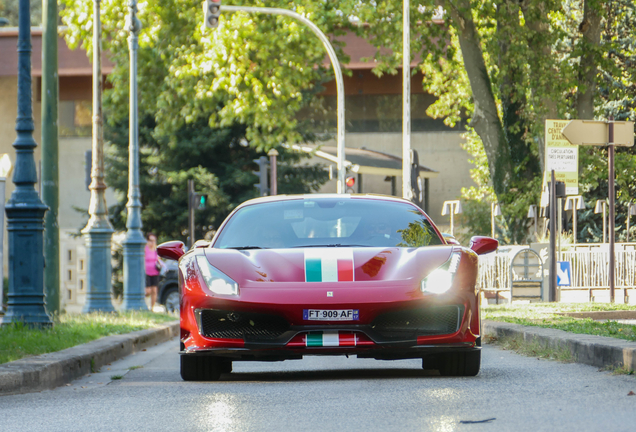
328, 264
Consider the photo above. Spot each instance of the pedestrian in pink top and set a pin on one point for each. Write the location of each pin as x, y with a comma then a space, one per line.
153, 268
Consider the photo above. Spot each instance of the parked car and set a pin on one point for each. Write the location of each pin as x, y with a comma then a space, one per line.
289, 276
168, 288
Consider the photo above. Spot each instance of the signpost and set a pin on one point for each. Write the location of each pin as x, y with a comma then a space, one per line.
562, 157
600, 133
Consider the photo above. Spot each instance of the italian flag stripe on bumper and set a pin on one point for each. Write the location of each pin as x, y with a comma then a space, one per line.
330, 339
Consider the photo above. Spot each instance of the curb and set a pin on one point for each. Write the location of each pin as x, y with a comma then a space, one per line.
599, 351
51, 370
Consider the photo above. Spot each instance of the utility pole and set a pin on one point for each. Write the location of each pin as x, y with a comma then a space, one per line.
25, 211
407, 192
134, 259
50, 170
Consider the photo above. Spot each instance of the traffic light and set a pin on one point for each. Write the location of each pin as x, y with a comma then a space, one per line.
262, 176
211, 11
350, 182
202, 201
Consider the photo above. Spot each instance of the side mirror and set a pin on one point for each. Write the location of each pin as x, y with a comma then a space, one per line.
171, 250
483, 245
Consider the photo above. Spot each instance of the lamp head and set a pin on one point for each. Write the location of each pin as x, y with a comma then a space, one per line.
598, 208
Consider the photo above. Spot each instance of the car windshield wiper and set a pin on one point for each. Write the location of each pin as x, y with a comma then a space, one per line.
246, 247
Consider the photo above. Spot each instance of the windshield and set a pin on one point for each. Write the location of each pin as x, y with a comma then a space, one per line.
327, 222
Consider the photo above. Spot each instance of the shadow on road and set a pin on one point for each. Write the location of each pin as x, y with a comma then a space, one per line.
323, 375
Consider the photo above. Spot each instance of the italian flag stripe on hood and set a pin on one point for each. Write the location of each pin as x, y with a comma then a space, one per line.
328, 265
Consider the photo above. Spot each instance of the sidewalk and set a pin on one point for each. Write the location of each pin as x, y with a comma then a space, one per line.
592, 350
52, 370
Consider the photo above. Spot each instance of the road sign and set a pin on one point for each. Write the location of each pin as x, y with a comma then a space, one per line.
564, 273
562, 157
590, 132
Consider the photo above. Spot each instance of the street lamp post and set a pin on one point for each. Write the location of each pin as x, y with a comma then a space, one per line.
574, 203
98, 230
25, 211
600, 207
337, 73
134, 242
273, 177
451, 208
495, 210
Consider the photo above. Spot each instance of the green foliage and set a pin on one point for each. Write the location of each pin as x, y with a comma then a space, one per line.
253, 70
532, 51
210, 101
9, 9
253, 74
219, 162
416, 235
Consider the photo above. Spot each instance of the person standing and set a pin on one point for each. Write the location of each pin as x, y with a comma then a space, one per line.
153, 268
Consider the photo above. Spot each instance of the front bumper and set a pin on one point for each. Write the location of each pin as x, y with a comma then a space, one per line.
409, 331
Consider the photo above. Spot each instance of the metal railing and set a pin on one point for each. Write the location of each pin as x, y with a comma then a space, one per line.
589, 265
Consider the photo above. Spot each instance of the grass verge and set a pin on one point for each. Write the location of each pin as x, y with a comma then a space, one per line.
18, 341
532, 349
548, 315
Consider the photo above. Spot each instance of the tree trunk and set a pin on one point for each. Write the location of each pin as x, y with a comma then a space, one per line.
485, 120
590, 29
535, 16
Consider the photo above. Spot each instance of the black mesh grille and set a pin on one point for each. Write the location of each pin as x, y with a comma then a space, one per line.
427, 321
241, 325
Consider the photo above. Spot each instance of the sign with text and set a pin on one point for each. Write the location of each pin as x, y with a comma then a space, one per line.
562, 157
592, 132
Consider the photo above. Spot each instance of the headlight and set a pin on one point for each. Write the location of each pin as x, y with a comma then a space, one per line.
441, 279
216, 281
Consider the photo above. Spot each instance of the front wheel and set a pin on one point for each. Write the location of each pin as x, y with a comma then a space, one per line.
465, 363
201, 368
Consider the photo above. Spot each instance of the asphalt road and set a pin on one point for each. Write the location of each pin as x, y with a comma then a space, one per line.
331, 394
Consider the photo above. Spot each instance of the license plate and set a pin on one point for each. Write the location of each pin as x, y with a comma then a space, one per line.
331, 314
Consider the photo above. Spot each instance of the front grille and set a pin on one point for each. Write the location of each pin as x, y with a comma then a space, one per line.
226, 324
436, 320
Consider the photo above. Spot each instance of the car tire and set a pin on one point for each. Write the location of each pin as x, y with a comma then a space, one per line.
225, 366
465, 363
171, 300
200, 368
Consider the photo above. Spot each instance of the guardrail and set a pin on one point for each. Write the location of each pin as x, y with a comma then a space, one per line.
589, 277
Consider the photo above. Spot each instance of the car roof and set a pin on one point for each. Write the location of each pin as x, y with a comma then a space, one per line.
376, 197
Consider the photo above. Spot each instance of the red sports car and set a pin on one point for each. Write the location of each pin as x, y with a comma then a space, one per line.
289, 276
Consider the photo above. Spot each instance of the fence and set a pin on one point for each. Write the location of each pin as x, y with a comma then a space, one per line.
589, 278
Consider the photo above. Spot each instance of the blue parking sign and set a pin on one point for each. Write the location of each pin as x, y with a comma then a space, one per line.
564, 273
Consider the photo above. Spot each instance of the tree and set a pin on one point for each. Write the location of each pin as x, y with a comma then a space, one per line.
253, 70
505, 65
9, 9
197, 122
508, 65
